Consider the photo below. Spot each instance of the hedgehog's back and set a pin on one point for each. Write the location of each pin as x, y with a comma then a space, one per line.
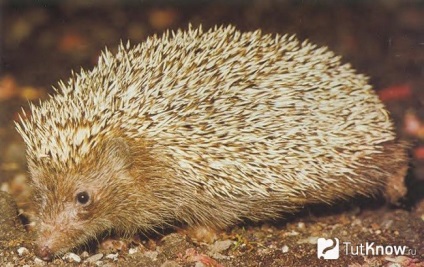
269, 112
237, 113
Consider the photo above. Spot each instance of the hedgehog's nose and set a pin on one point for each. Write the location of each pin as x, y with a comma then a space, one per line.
45, 253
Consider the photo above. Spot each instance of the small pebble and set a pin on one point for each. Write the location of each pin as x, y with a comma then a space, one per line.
387, 224
85, 255
5, 187
263, 251
301, 225
310, 240
285, 249
151, 254
220, 246
38, 261
291, 233
170, 263
94, 258
22, 251
71, 257
112, 256
132, 251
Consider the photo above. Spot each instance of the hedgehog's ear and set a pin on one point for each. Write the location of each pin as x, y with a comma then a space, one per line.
116, 154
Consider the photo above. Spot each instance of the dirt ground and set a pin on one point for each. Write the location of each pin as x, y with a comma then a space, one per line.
41, 43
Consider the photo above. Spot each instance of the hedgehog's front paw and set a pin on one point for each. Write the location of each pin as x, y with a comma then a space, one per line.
114, 244
200, 234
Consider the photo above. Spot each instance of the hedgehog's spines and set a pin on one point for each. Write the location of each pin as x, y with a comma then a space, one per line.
228, 95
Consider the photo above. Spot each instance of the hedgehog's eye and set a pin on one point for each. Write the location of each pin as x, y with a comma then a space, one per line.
83, 198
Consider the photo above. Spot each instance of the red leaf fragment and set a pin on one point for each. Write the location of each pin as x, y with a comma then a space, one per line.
396, 92
419, 153
71, 42
413, 125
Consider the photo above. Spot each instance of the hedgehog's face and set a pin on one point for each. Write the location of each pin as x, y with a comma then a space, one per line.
77, 204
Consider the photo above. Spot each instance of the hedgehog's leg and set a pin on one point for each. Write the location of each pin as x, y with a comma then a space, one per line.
388, 169
199, 233
397, 165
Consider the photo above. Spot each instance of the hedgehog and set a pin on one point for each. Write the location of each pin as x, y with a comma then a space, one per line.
204, 128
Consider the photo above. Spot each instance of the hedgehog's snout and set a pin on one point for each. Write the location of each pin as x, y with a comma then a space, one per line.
44, 253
